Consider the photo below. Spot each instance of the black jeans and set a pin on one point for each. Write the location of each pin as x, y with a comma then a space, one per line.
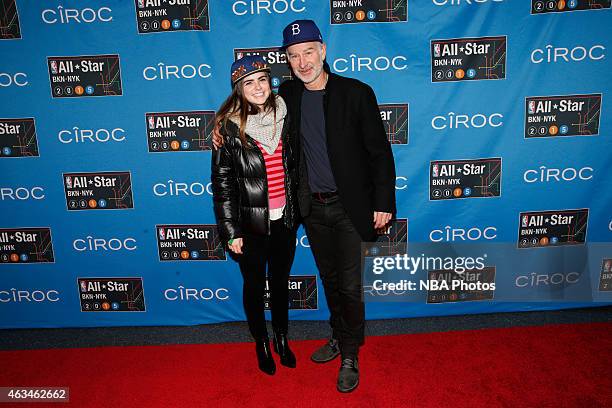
336, 247
276, 251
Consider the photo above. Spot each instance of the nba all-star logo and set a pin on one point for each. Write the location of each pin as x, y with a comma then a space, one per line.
193, 242
471, 178
560, 6
85, 75
18, 138
180, 131
567, 115
451, 291
468, 59
154, 16
605, 277
277, 59
26, 245
9, 20
552, 228
302, 293
393, 239
111, 294
395, 118
98, 191
368, 11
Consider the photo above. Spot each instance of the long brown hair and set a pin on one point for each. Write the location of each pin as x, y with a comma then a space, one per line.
237, 104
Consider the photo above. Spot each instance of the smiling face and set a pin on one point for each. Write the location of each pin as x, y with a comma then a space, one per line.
256, 88
306, 60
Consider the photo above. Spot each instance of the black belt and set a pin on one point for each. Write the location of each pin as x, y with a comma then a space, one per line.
325, 195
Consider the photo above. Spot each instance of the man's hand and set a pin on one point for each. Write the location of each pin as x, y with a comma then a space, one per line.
217, 139
236, 246
381, 219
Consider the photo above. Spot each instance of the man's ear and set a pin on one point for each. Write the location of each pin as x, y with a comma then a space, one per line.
323, 51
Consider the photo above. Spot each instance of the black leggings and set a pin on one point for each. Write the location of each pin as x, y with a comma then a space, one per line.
276, 251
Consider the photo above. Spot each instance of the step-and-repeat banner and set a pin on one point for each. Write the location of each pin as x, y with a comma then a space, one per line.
497, 111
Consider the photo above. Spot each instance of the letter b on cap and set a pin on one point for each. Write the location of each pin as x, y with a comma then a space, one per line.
295, 28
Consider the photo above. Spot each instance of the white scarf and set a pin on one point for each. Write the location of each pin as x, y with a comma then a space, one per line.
263, 128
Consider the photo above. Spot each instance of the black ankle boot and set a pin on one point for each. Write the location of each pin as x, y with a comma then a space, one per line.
281, 346
264, 356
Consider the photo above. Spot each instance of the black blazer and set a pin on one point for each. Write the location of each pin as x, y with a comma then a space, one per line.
359, 151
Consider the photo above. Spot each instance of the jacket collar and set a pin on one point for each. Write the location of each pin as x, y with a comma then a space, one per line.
332, 80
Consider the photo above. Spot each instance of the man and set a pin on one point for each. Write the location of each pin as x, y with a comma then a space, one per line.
346, 185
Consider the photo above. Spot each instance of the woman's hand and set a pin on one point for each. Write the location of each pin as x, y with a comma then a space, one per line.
236, 246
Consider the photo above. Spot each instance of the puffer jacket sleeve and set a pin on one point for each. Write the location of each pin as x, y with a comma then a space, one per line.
225, 193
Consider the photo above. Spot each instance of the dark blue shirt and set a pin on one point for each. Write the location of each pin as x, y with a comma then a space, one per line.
320, 176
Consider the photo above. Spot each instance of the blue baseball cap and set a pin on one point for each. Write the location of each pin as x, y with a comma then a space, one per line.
300, 31
247, 65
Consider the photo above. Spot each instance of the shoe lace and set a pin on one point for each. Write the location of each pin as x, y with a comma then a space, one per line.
348, 363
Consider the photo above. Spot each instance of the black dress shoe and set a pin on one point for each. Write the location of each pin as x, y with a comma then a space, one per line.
264, 356
327, 352
281, 346
348, 377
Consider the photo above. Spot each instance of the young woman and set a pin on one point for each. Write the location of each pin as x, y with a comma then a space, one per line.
254, 184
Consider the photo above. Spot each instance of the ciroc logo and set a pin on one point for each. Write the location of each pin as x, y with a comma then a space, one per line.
302, 240
355, 63
163, 71
22, 296
177, 188
62, 15
243, 7
77, 135
535, 280
90, 243
452, 234
552, 54
401, 183
22, 193
545, 175
183, 294
9, 79
454, 120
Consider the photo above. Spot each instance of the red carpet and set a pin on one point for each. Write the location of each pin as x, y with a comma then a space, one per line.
545, 366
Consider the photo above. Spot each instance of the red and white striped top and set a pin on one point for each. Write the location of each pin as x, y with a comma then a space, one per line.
276, 177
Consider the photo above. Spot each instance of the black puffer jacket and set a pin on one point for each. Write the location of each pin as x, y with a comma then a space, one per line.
240, 185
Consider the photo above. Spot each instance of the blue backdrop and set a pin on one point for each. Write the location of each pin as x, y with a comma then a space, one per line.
105, 208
